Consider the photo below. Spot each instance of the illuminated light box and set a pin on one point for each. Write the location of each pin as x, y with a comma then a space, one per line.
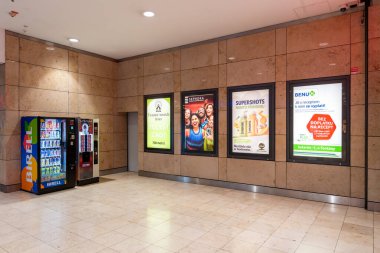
318, 121
200, 122
251, 122
158, 123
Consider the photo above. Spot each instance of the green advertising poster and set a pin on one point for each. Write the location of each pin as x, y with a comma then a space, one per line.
317, 120
158, 117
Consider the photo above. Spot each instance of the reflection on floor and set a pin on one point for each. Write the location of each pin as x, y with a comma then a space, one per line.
137, 214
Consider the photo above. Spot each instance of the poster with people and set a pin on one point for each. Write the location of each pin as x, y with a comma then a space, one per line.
250, 119
158, 123
199, 123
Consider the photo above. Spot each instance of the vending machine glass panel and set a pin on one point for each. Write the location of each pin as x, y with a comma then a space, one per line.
53, 152
86, 148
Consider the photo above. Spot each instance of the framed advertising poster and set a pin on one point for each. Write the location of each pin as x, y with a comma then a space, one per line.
199, 122
158, 123
251, 122
318, 121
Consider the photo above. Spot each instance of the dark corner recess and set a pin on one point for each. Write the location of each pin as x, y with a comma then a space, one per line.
367, 5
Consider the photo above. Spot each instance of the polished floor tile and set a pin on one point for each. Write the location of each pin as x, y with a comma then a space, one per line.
128, 213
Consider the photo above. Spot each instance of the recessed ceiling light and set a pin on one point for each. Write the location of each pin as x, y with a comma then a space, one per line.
73, 40
148, 14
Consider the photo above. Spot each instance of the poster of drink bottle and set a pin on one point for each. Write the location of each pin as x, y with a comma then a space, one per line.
250, 122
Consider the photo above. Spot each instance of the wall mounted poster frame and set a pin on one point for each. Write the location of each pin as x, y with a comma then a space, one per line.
319, 121
158, 123
199, 138
251, 121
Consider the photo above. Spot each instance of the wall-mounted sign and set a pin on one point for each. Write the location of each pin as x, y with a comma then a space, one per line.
251, 122
199, 122
319, 116
159, 123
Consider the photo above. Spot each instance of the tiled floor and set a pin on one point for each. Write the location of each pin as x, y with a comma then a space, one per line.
137, 214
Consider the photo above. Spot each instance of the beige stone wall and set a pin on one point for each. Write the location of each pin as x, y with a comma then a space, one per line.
59, 83
374, 105
292, 53
68, 83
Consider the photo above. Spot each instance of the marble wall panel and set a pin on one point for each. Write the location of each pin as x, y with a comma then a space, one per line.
200, 78
329, 32
43, 78
94, 66
199, 56
251, 172
251, 72
157, 64
156, 84
200, 167
250, 47
12, 48
325, 62
130, 68
43, 100
35, 53
320, 179
161, 163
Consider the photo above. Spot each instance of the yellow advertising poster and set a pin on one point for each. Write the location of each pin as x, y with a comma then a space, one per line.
158, 123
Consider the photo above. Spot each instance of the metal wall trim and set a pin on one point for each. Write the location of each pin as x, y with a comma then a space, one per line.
332, 199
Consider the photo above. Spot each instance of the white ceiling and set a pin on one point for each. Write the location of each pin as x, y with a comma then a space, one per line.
116, 28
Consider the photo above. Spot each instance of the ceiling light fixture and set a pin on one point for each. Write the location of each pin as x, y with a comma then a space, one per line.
148, 14
73, 40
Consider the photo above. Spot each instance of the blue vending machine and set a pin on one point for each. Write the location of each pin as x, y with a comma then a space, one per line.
48, 154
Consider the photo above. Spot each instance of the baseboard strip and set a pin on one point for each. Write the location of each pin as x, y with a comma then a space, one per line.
332, 199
